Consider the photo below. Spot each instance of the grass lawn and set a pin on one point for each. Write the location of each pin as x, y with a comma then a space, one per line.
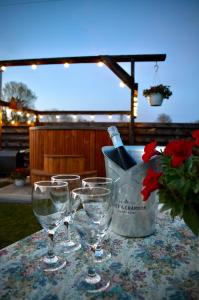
16, 222
4, 183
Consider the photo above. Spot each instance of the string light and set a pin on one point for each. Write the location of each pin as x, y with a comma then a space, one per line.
135, 106
34, 67
110, 117
8, 112
40, 117
3, 68
122, 84
66, 65
19, 113
74, 117
27, 115
12, 122
100, 64
57, 117
92, 117
29, 122
135, 100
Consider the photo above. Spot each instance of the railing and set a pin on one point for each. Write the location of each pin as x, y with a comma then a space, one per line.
13, 114
143, 132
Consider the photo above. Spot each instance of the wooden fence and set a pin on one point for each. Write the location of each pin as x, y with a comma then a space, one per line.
84, 139
17, 137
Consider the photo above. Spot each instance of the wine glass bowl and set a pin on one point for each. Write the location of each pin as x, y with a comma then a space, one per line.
50, 203
92, 221
73, 181
104, 182
97, 181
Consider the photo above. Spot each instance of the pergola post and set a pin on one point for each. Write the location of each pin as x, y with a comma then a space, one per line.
1, 72
132, 116
0, 105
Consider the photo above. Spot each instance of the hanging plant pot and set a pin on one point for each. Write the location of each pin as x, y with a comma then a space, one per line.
156, 94
155, 99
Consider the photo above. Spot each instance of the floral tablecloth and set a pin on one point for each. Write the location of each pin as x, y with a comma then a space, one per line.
162, 266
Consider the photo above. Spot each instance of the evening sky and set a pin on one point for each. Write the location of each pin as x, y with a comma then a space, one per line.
56, 28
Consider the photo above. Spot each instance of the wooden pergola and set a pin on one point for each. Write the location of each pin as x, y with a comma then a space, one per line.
111, 61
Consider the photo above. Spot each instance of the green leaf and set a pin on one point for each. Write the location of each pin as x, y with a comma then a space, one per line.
196, 187
188, 164
186, 187
176, 184
191, 218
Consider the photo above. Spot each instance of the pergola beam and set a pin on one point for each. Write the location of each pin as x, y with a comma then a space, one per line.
111, 61
82, 59
118, 71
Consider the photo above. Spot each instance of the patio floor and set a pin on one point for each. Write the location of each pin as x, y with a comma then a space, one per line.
14, 194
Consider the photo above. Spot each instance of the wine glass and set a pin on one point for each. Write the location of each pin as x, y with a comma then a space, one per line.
50, 203
74, 181
100, 253
91, 222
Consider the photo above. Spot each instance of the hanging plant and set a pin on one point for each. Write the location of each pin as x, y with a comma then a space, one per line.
156, 94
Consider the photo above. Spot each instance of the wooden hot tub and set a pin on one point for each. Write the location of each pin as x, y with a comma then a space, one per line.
72, 141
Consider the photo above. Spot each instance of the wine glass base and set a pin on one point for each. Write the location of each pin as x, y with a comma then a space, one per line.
94, 284
71, 246
52, 264
101, 256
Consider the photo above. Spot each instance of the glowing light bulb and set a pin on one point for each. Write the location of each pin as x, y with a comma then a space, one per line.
122, 84
13, 122
8, 111
92, 117
27, 115
19, 113
3, 68
57, 117
28, 122
110, 117
100, 64
34, 67
66, 65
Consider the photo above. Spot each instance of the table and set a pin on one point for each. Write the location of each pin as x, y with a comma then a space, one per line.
162, 266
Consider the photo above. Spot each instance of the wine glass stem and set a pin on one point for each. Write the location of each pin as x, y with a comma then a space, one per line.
67, 226
91, 273
98, 251
51, 245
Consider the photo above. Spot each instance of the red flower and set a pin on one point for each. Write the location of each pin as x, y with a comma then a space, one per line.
179, 151
195, 135
150, 183
149, 151
145, 193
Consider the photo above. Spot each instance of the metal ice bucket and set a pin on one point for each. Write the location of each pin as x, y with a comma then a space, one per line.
132, 217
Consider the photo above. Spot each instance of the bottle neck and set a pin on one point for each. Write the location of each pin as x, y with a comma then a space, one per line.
116, 140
